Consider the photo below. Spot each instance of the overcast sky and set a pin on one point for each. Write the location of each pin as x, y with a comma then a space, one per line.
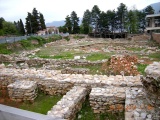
55, 10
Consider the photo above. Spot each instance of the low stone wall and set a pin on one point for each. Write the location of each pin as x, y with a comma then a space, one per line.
70, 104
156, 37
22, 91
69, 70
110, 99
53, 82
46, 63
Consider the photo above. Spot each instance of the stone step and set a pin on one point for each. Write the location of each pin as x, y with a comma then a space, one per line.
70, 104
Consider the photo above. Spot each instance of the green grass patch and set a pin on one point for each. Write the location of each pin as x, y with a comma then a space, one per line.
65, 55
78, 37
4, 49
42, 104
86, 113
155, 55
134, 49
141, 68
98, 56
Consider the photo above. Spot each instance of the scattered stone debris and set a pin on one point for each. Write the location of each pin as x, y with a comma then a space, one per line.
119, 64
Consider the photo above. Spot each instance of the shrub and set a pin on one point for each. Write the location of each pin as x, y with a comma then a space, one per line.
66, 38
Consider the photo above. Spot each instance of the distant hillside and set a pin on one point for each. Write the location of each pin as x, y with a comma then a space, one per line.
56, 23
59, 23
156, 7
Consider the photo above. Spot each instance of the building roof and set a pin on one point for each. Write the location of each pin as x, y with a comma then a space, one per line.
153, 15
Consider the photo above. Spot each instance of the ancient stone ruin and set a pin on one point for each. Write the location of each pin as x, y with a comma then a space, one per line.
137, 96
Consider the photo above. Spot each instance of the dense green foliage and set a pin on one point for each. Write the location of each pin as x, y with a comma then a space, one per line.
34, 22
122, 20
71, 24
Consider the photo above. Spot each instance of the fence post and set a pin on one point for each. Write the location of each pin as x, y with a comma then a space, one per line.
5, 39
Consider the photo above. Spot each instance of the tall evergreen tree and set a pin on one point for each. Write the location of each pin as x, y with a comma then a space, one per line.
28, 24
132, 21
86, 21
122, 16
35, 21
68, 24
95, 16
141, 20
112, 20
42, 21
103, 22
149, 10
21, 27
75, 21
1, 22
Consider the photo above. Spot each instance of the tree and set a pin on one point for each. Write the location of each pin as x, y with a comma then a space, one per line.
35, 21
28, 24
121, 16
68, 24
112, 20
1, 22
9, 28
62, 29
95, 16
149, 10
21, 27
132, 21
104, 22
141, 20
86, 21
42, 21
75, 21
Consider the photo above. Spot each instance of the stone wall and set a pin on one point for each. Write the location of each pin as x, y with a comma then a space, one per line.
70, 104
22, 91
110, 99
156, 37
48, 79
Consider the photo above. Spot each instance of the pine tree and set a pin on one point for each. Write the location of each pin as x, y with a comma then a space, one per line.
112, 20
35, 21
86, 21
95, 17
42, 21
122, 16
74, 21
1, 22
68, 24
149, 10
28, 24
132, 21
21, 27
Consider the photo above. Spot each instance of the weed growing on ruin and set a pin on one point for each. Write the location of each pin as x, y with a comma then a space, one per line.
141, 68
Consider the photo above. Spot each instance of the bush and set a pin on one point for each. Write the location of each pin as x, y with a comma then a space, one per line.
66, 38
4, 49
78, 37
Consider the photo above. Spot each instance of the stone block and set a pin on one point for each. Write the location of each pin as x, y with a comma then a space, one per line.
22, 90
